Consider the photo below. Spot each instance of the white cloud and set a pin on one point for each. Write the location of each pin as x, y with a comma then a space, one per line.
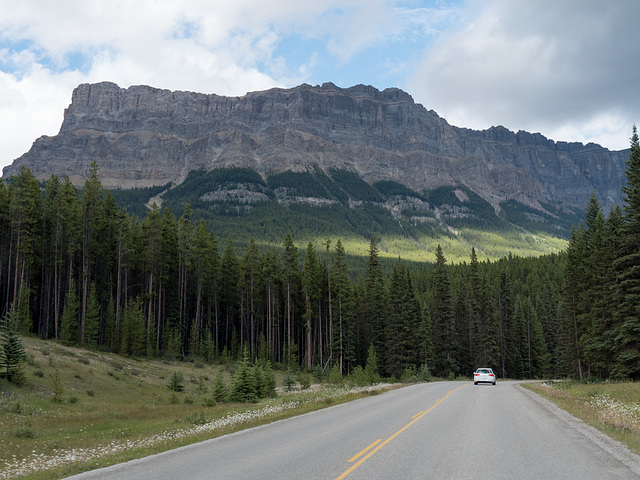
541, 66
566, 70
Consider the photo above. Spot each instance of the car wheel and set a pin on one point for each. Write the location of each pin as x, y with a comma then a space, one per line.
475, 383
494, 384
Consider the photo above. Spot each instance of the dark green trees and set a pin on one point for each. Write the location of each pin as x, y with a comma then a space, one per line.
444, 338
12, 354
627, 265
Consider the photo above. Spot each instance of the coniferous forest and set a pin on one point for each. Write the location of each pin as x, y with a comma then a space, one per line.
76, 268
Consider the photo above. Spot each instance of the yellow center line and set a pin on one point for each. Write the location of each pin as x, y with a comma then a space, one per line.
354, 458
380, 445
421, 411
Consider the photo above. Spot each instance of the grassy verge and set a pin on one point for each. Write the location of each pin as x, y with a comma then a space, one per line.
613, 408
109, 409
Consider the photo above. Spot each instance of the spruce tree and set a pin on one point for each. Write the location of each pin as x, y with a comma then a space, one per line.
371, 319
342, 346
12, 354
69, 319
92, 319
627, 336
442, 321
243, 386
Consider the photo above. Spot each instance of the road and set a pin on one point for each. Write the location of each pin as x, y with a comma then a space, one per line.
441, 430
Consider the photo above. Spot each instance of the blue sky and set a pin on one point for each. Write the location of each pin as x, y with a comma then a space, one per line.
567, 69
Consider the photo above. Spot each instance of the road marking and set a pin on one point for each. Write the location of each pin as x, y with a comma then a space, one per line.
380, 445
421, 411
354, 458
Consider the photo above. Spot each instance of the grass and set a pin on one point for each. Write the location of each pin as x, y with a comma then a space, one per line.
111, 409
613, 408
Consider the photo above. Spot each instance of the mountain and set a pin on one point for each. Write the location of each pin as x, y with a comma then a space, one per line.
143, 136
322, 162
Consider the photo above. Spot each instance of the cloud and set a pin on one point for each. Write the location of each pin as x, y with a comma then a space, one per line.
554, 67
229, 48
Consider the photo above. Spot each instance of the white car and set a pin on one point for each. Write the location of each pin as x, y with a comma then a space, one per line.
484, 375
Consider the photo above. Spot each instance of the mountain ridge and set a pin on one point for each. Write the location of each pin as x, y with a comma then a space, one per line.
143, 136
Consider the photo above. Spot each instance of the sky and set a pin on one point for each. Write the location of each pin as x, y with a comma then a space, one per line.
568, 69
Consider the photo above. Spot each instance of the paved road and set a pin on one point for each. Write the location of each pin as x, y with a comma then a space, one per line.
442, 430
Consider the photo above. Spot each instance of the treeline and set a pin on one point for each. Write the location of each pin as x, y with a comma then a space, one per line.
76, 268
602, 296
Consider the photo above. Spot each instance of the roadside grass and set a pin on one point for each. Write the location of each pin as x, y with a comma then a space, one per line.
611, 407
111, 409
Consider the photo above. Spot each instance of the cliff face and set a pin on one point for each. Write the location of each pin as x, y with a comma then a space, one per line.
142, 136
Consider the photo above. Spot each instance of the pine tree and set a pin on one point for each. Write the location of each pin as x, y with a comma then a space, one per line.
249, 281
133, 332
443, 322
69, 319
291, 273
92, 319
343, 298
371, 321
12, 354
310, 287
92, 198
243, 387
627, 265
220, 390
230, 275
26, 218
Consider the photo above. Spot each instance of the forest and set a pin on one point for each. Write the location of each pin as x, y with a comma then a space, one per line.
78, 269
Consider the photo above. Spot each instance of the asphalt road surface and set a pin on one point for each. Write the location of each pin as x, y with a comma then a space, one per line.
442, 430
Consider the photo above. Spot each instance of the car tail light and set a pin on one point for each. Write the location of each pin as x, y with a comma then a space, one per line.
491, 374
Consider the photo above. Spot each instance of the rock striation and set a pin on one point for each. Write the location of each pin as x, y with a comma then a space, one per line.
143, 136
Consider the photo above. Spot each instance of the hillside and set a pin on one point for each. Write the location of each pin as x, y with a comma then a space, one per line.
81, 409
313, 206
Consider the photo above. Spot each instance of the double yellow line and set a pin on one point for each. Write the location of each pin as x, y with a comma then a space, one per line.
378, 444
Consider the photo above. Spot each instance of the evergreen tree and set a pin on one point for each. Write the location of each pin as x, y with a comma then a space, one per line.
371, 321
243, 387
507, 326
92, 319
220, 389
133, 332
92, 198
69, 320
627, 332
291, 273
26, 225
344, 304
443, 322
12, 354
402, 325
230, 275
311, 290
249, 281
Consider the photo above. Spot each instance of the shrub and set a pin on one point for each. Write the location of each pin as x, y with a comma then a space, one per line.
305, 381
335, 376
25, 432
196, 419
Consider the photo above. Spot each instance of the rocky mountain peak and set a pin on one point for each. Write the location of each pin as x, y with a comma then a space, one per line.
143, 136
